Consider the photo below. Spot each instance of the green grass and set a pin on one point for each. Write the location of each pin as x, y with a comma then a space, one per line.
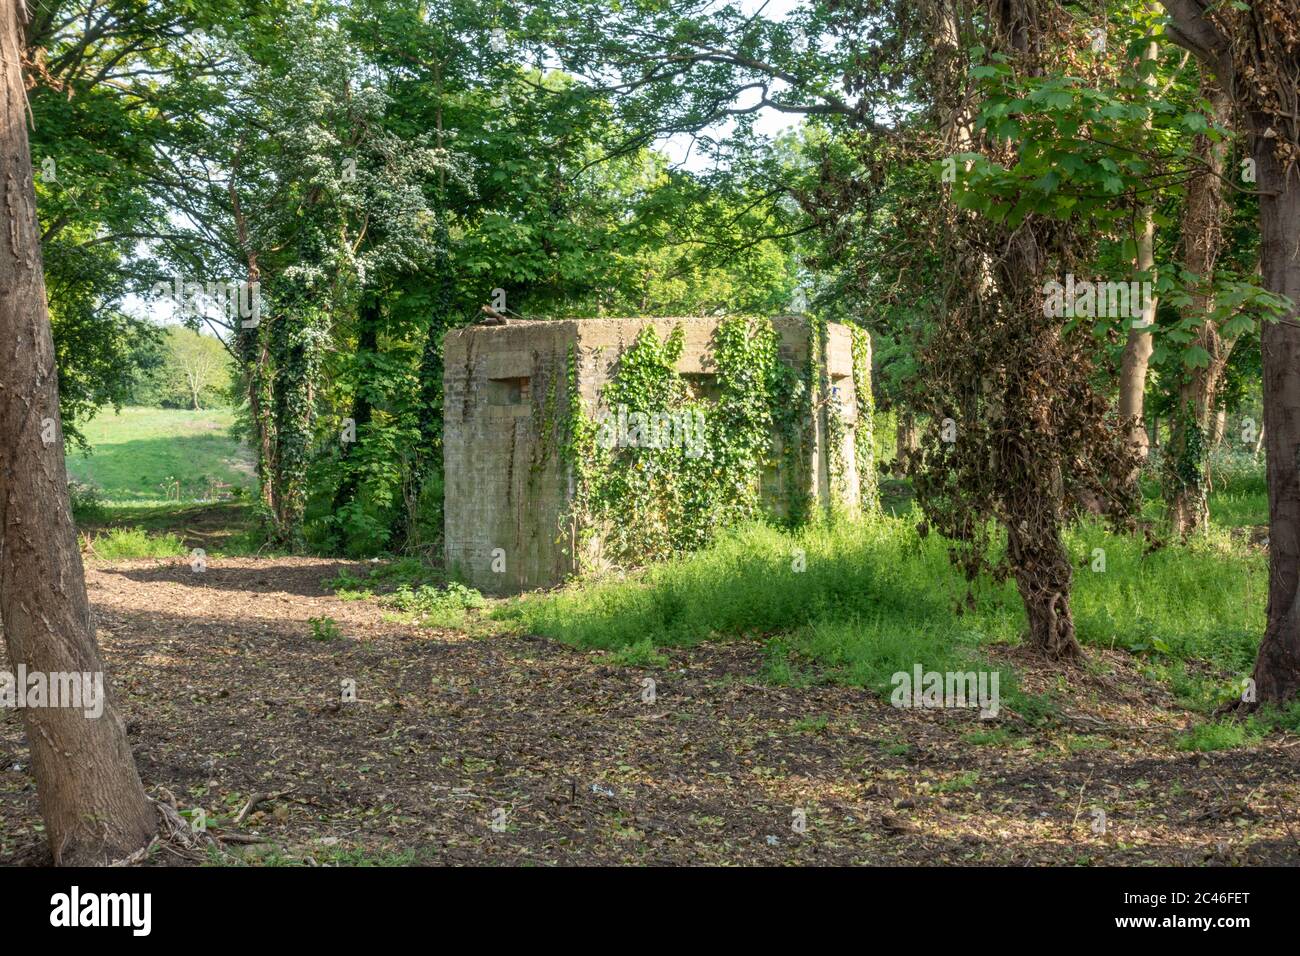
139, 453
324, 629
119, 543
994, 737
873, 600
1230, 732
1239, 509
811, 726
420, 593
642, 654
410, 573
153, 529
1200, 601
160, 516
746, 584
1218, 735
1238, 498
1238, 488
124, 494
963, 781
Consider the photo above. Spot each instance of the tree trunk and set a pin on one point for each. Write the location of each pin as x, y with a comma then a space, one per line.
256, 358
906, 440
1277, 668
261, 389
1220, 428
296, 358
1261, 65
1133, 367
1034, 501
1041, 566
1192, 424
1191, 438
1138, 348
428, 456
91, 799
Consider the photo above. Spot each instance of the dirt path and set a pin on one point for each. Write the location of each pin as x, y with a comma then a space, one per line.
227, 694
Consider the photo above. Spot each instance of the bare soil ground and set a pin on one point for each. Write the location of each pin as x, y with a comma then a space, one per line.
227, 694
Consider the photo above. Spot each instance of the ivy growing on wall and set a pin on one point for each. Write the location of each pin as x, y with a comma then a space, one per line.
829, 409
666, 466
864, 437
829, 406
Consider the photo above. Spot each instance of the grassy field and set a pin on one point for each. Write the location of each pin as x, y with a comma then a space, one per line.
151, 475
160, 454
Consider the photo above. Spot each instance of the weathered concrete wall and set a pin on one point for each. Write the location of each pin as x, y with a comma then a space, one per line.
506, 398
813, 477
506, 487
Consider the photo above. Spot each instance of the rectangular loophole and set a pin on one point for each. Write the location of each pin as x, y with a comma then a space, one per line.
509, 391
703, 385
841, 389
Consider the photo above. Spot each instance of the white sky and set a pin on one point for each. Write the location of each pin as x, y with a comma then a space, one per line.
767, 122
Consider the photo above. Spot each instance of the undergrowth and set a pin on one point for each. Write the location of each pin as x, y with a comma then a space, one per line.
854, 602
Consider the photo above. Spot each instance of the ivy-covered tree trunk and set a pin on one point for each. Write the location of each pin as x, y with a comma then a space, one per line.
427, 460
429, 454
1037, 554
262, 405
430, 450
1018, 428
296, 366
1043, 574
864, 432
1186, 459
1034, 496
1191, 438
